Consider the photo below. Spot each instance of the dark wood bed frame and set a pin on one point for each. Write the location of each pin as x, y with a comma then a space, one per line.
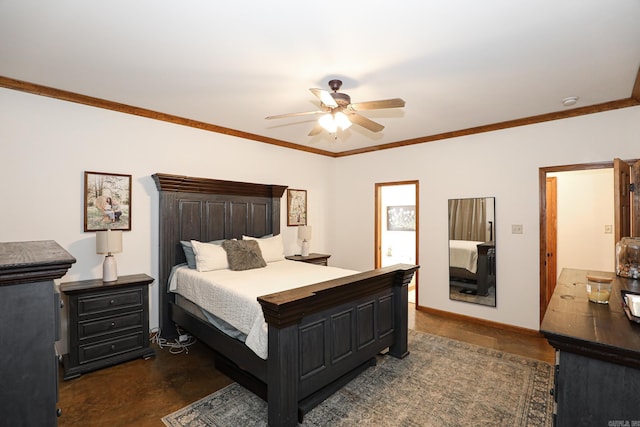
485, 275
320, 336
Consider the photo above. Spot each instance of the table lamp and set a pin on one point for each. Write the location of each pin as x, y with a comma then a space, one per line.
109, 242
304, 234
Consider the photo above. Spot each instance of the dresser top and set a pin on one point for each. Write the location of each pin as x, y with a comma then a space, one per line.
22, 262
573, 323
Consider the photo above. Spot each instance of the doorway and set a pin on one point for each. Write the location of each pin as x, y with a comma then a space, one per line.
607, 203
396, 227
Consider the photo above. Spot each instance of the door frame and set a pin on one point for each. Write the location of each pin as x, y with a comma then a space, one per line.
542, 179
377, 248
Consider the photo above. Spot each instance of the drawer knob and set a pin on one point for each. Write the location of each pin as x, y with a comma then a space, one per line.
113, 347
113, 324
112, 302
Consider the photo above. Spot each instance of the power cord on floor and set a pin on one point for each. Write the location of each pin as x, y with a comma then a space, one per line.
179, 345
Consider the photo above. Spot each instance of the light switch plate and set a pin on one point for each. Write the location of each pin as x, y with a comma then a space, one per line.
516, 228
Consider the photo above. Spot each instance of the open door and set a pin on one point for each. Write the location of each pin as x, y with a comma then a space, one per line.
635, 199
621, 199
551, 234
627, 199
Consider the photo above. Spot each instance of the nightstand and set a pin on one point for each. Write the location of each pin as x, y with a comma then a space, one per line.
108, 322
320, 259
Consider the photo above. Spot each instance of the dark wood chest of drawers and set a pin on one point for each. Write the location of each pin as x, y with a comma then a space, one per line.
29, 327
108, 323
598, 353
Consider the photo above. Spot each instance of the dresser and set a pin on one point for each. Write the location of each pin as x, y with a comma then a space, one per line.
319, 259
598, 353
108, 322
29, 327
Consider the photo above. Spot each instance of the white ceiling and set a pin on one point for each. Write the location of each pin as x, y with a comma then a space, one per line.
457, 64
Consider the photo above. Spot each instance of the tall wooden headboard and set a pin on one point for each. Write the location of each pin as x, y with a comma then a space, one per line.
208, 209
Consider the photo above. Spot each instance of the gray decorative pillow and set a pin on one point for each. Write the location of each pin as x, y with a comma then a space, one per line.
243, 254
188, 253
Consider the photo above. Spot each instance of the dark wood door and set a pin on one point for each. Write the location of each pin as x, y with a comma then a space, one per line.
551, 234
622, 201
635, 200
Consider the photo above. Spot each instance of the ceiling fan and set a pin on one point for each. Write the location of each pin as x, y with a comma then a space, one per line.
338, 111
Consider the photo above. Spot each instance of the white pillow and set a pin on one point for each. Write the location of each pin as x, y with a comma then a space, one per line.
271, 247
209, 256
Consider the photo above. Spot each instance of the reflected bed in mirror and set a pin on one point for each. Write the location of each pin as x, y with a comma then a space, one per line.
472, 250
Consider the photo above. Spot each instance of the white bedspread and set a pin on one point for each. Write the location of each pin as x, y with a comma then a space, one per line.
464, 254
232, 295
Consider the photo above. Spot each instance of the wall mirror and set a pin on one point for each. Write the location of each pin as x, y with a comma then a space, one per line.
472, 250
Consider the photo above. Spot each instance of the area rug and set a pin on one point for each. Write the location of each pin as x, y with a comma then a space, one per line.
442, 382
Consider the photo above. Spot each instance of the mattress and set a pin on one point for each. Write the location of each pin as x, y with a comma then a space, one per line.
233, 295
464, 254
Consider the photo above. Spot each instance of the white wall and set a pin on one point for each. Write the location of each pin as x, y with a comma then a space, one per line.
503, 164
46, 145
584, 207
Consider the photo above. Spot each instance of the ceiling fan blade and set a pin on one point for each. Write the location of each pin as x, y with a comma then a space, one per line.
306, 113
316, 130
364, 122
376, 105
324, 97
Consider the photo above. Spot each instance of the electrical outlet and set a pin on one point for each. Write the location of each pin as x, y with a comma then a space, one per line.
608, 229
516, 228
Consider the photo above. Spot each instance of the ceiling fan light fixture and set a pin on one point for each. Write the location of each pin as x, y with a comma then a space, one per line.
332, 121
328, 123
332, 107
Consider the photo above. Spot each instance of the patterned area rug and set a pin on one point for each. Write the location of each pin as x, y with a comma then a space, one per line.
441, 383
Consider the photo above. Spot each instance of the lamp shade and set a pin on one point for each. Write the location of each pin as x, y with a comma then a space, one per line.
304, 232
109, 242
332, 121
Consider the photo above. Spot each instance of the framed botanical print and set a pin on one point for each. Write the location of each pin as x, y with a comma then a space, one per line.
296, 207
107, 201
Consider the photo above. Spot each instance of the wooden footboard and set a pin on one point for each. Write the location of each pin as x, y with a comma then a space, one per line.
322, 335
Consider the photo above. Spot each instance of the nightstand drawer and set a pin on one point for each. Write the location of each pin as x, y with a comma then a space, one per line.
92, 304
91, 352
109, 324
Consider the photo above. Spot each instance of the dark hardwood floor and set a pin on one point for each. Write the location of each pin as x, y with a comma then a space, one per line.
140, 392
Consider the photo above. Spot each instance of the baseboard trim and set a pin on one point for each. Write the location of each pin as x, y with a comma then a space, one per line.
497, 325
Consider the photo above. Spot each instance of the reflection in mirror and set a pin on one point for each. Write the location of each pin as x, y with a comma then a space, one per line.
472, 250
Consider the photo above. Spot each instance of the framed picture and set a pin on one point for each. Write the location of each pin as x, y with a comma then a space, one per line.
296, 207
107, 201
401, 218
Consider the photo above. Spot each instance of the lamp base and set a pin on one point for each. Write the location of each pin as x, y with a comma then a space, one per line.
109, 269
305, 248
